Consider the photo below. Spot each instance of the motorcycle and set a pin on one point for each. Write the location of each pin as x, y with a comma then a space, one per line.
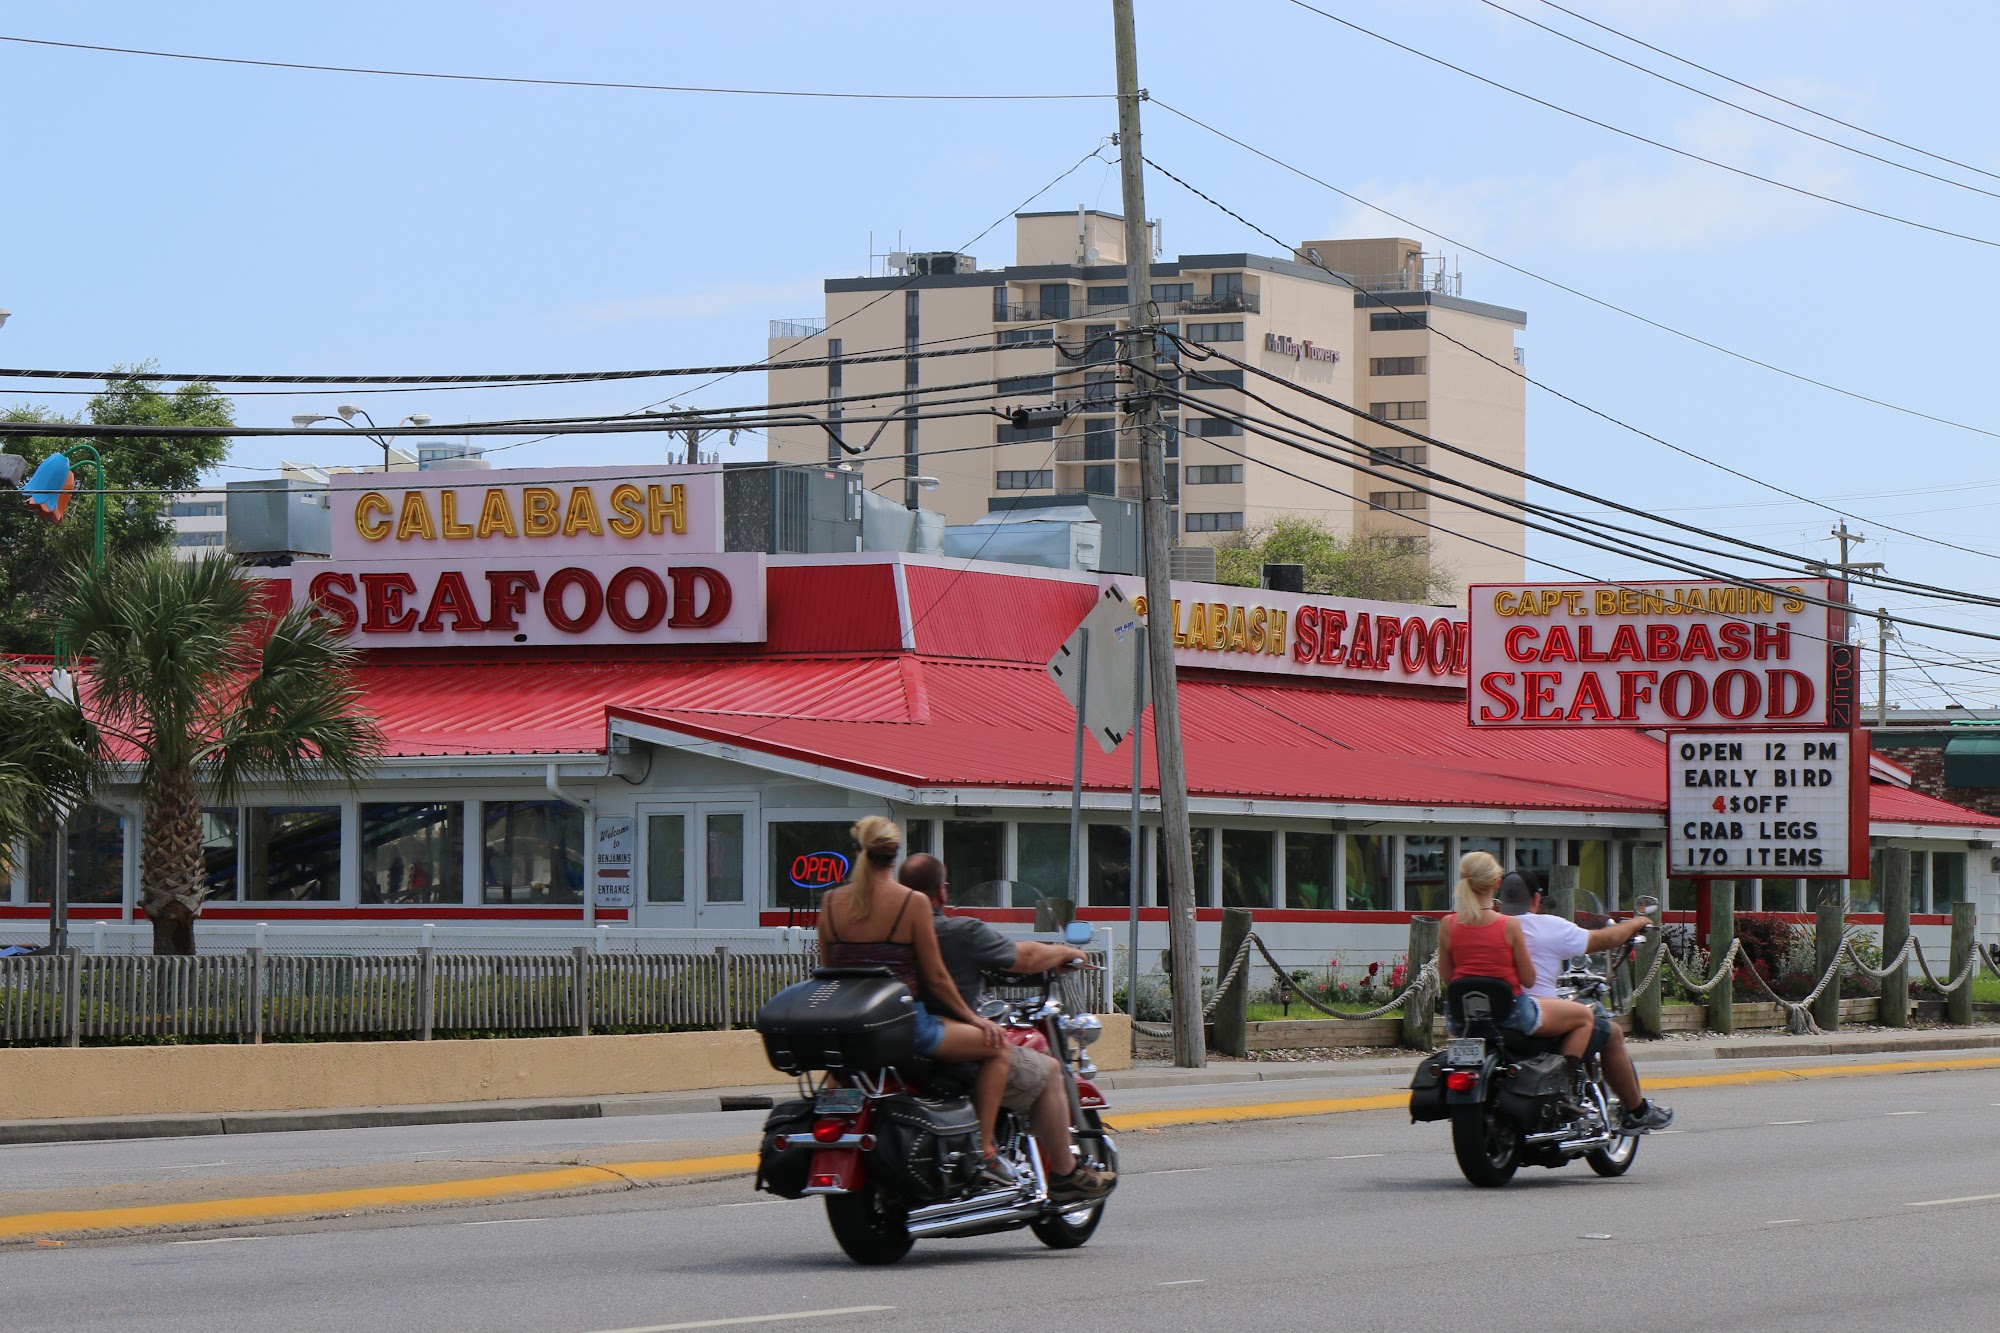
1510, 1097
890, 1141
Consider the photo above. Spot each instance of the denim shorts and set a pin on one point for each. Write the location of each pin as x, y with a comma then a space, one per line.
1525, 1016
930, 1030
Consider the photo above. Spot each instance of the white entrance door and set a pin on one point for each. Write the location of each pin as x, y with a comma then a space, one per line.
700, 865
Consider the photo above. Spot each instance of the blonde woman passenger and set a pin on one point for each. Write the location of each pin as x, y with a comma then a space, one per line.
1477, 940
875, 921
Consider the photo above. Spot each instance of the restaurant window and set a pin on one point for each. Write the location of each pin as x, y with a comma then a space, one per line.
1865, 895
533, 852
1200, 845
1773, 895
1309, 881
413, 852
808, 857
292, 853
1368, 877
1425, 887
974, 852
1534, 855
725, 861
218, 852
1681, 896
1246, 868
666, 859
1920, 883
1947, 876
1818, 891
1493, 847
919, 835
1592, 883
1041, 863
96, 859
1110, 871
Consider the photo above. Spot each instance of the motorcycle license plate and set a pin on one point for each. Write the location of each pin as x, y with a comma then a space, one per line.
1465, 1050
838, 1101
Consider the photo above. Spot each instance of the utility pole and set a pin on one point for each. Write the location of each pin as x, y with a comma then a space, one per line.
1846, 569
1881, 666
1190, 1048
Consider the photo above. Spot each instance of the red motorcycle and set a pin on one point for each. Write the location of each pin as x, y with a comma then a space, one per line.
891, 1141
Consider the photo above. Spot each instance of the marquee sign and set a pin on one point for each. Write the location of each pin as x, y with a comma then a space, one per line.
1705, 655
1294, 634
534, 556
1790, 803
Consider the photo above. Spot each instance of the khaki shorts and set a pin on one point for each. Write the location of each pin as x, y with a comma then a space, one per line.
1027, 1074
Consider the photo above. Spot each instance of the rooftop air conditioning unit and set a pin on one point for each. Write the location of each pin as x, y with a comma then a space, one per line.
940, 263
1192, 564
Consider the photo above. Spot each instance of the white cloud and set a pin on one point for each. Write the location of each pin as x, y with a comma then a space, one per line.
779, 298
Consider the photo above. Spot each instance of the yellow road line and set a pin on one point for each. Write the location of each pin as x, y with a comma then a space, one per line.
274, 1207
563, 1180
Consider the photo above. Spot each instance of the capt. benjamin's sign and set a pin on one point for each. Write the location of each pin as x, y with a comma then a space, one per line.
1682, 655
600, 555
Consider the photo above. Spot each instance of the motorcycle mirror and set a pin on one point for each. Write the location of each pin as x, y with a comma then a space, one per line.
1077, 933
1647, 905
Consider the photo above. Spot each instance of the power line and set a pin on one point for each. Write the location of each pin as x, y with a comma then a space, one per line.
1765, 92
1640, 138
1549, 389
566, 83
1736, 106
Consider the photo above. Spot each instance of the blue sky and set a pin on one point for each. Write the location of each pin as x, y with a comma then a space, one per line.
221, 218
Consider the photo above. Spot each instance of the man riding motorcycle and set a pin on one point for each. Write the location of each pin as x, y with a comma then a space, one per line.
1550, 940
971, 948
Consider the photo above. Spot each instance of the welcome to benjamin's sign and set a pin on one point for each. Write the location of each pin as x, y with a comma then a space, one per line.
535, 556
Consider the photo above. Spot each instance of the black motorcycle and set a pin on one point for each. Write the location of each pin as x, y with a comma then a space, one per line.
1511, 1098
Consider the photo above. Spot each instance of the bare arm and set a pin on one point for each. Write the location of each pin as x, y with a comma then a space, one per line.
1524, 966
1615, 934
1032, 956
930, 965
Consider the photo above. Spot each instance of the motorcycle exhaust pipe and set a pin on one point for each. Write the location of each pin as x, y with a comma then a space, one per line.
957, 1208
945, 1226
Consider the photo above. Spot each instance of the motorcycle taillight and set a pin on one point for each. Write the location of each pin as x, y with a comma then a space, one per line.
829, 1131
1461, 1080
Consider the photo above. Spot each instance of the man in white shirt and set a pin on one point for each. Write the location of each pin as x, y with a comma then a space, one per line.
1551, 940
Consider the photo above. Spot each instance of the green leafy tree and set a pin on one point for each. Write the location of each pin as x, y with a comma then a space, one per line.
46, 765
1378, 567
37, 557
196, 692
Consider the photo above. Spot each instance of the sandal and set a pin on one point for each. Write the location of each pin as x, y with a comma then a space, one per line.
1085, 1182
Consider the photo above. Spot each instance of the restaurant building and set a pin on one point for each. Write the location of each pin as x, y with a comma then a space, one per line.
596, 716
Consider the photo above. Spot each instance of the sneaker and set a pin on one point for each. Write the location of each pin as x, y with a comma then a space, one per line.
1086, 1182
1655, 1116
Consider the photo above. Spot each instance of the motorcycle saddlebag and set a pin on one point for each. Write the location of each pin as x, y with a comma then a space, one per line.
1531, 1094
843, 1019
783, 1171
1427, 1091
925, 1149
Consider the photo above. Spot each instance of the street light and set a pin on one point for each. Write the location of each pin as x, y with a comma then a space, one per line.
3, 317
921, 483
345, 415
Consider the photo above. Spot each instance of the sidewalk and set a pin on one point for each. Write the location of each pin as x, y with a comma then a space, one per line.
1752, 1046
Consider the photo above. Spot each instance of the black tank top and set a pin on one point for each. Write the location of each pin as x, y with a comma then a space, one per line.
900, 959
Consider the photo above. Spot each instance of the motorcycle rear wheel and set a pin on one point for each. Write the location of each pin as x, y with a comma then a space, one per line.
1076, 1223
870, 1231
1487, 1146
1615, 1160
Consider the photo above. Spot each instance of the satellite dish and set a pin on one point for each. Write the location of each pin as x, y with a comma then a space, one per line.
1092, 255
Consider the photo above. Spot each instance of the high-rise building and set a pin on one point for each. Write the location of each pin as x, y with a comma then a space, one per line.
1390, 336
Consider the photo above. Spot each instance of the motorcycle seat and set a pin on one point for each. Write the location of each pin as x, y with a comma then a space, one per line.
1474, 1004
939, 1079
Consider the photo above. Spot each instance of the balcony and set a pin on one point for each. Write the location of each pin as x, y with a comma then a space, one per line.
1029, 312
797, 328
1228, 303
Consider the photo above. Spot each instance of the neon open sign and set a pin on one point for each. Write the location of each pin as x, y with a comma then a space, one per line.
818, 870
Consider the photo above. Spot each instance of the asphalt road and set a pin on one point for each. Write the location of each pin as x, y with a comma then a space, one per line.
1832, 1204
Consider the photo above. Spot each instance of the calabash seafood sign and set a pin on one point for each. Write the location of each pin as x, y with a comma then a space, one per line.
569, 555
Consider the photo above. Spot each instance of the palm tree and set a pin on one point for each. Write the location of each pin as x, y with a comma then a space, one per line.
46, 765
187, 678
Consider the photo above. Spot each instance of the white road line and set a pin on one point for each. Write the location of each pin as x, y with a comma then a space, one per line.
193, 1166
218, 1240
755, 1203
1183, 1282
1173, 1171
1596, 1235
1789, 1122
1783, 1221
1968, 1198
503, 1221
1908, 1113
756, 1319
1355, 1156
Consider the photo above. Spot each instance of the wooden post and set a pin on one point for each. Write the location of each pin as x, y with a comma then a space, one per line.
1895, 1008
1229, 1032
1720, 895
1958, 1004
1563, 884
1649, 879
1052, 914
1419, 1010
1827, 927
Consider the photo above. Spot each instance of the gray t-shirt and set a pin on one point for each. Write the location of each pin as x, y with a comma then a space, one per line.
970, 947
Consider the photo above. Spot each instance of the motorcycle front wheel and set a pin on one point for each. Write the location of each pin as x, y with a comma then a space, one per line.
1488, 1146
869, 1228
1076, 1223
1615, 1160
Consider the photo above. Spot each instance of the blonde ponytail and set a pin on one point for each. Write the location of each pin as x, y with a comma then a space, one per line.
879, 840
1478, 876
